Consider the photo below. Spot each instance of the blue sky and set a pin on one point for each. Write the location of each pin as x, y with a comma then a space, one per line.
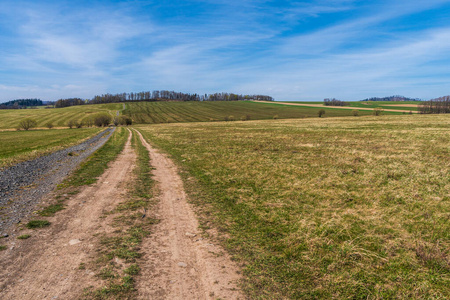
291, 50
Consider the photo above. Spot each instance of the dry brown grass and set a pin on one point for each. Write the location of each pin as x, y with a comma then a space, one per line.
325, 208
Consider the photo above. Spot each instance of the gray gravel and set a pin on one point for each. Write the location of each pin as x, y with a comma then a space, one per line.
22, 186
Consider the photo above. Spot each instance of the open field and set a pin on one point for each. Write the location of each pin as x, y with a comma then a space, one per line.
10, 118
174, 112
17, 146
170, 112
394, 105
324, 208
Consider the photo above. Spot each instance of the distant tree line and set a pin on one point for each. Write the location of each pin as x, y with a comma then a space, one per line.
334, 102
69, 102
164, 95
21, 103
159, 96
435, 106
392, 98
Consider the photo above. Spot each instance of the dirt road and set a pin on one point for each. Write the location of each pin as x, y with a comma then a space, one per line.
179, 263
337, 107
46, 266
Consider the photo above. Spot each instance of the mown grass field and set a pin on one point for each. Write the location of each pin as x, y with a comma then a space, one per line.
353, 208
17, 146
169, 112
175, 112
398, 105
9, 118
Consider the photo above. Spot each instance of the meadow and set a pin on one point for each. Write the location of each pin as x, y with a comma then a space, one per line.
10, 118
398, 105
350, 207
208, 111
168, 112
17, 146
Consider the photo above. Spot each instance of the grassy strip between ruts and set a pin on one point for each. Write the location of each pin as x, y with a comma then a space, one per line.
119, 253
348, 208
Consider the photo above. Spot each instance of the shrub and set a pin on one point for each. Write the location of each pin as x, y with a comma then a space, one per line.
230, 118
116, 121
355, 112
49, 125
125, 120
377, 111
102, 120
334, 102
321, 113
71, 124
88, 122
275, 117
27, 124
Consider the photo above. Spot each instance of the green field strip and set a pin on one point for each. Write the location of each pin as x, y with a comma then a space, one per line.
19, 146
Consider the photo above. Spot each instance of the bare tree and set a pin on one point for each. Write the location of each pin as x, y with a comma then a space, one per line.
26, 124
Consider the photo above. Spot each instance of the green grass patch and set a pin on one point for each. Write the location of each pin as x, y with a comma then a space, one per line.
3, 247
96, 164
59, 117
180, 112
18, 146
37, 224
52, 209
351, 208
24, 236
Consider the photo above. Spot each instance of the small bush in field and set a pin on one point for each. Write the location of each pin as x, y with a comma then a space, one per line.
321, 113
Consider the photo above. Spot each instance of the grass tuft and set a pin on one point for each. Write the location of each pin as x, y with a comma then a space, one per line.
24, 236
37, 224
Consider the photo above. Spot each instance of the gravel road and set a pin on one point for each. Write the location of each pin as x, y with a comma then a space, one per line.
22, 186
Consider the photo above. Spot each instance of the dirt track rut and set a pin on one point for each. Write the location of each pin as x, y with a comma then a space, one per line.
46, 266
179, 263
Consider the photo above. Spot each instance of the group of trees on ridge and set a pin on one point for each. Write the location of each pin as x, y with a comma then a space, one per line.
159, 96
334, 102
21, 103
439, 105
392, 98
164, 95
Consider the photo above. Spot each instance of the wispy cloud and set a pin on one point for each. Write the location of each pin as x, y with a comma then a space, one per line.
292, 51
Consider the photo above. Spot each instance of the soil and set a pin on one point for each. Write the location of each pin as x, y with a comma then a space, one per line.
23, 185
179, 263
46, 266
